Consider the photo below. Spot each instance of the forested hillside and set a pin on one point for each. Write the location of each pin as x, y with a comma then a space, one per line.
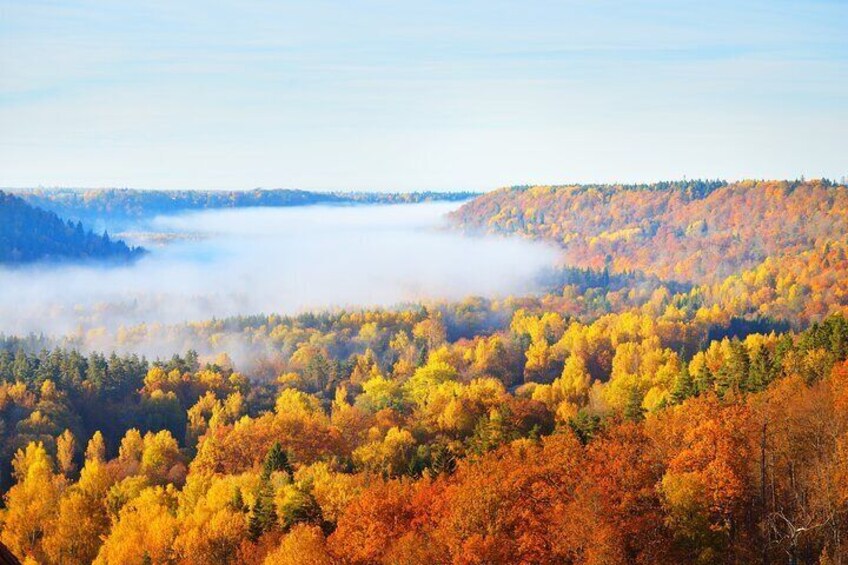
698, 231
635, 412
29, 234
392, 444
119, 204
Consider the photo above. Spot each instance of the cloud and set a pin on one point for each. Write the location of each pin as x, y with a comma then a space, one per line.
269, 260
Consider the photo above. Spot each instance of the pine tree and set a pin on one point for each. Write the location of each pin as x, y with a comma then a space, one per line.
237, 501
264, 515
442, 460
584, 425
684, 386
704, 379
760, 372
276, 460
633, 410
734, 371
318, 372
421, 360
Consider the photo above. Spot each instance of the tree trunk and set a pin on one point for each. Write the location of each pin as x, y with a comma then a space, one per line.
763, 499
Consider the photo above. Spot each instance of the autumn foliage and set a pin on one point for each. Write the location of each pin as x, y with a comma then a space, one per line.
648, 408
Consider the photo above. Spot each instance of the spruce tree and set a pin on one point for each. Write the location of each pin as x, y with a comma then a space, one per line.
684, 386
276, 460
633, 410
704, 379
264, 515
761, 371
237, 501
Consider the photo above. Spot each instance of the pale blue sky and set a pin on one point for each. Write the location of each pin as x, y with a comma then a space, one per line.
393, 95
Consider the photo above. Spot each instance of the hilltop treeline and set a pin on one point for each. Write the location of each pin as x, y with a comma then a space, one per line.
700, 231
117, 204
29, 234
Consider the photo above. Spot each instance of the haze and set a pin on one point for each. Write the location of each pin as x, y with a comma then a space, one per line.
270, 260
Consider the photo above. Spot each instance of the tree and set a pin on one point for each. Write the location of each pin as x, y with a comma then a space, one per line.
633, 410
130, 452
276, 460
761, 371
684, 386
263, 516
237, 502
161, 460
575, 379
144, 531
96, 449
32, 503
373, 521
509, 506
303, 545
66, 447
75, 536
389, 456
704, 379
706, 487
211, 530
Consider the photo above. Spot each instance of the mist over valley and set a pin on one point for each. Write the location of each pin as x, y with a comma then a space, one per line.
219, 263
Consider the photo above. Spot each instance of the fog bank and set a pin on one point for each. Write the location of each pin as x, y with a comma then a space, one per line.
270, 260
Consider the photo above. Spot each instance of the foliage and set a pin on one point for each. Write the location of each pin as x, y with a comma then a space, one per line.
618, 418
29, 234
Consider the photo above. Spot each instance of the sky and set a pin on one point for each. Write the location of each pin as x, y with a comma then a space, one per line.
394, 95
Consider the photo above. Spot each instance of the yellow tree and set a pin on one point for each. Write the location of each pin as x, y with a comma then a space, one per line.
144, 531
32, 503
389, 456
575, 380
76, 534
303, 545
66, 446
130, 452
96, 449
161, 460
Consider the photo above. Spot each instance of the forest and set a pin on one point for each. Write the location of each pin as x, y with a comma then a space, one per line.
118, 204
29, 234
678, 393
701, 231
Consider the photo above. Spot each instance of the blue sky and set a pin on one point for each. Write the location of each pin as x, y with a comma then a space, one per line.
392, 95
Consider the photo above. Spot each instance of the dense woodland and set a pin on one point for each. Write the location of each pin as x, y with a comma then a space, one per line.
29, 234
680, 395
120, 204
696, 230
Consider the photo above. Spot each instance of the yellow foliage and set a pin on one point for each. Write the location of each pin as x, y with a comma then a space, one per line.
145, 530
303, 545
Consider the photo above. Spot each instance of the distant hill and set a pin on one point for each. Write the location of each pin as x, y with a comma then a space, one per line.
125, 203
29, 234
697, 231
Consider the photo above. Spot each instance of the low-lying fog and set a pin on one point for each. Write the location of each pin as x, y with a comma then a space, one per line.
264, 260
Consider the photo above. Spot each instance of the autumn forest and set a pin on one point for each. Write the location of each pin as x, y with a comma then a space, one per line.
676, 391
